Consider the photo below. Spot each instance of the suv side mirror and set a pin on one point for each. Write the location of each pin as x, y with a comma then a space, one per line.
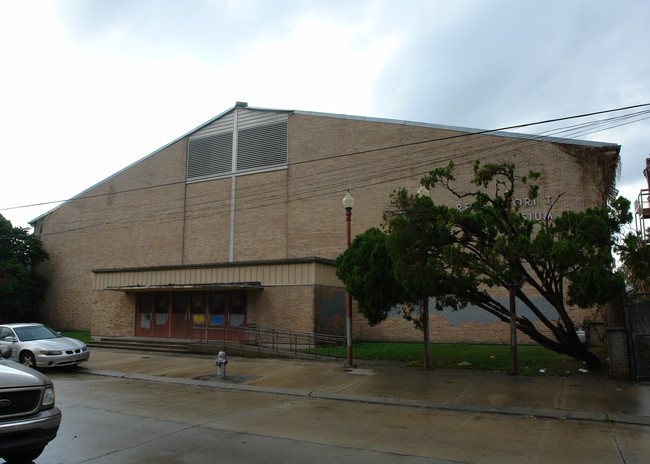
6, 351
10, 339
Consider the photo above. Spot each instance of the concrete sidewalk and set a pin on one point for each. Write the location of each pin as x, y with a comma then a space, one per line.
581, 397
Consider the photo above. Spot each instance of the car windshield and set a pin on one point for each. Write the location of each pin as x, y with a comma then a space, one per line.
37, 332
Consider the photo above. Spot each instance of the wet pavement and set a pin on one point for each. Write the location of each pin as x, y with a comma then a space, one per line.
581, 397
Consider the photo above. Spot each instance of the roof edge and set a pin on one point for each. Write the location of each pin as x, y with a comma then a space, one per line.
200, 126
260, 262
495, 132
469, 130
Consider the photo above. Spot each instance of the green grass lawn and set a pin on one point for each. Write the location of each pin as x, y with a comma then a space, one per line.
531, 360
81, 336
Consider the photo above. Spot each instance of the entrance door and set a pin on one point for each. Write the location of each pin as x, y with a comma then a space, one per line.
217, 328
143, 315
161, 315
198, 315
180, 316
227, 313
237, 309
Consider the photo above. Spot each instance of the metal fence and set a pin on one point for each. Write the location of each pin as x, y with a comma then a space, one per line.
638, 321
263, 339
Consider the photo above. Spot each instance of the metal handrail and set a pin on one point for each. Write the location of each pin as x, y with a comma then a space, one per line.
270, 339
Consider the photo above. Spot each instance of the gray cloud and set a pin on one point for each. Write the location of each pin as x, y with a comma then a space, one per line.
208, 30
174, 64
505, 63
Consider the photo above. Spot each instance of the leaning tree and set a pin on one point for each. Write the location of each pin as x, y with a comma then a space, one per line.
460, 257
563, 262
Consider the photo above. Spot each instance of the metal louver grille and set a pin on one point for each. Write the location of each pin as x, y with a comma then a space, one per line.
19, 402
209, 156
262, 146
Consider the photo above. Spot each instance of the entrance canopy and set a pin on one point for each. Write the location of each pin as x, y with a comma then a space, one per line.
249, 275
172, 287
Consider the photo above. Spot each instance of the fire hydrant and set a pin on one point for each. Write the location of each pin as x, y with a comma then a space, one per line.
222, 360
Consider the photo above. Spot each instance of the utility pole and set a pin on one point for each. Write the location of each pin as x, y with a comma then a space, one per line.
513, 308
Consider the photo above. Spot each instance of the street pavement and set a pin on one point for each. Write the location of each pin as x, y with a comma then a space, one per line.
584, 397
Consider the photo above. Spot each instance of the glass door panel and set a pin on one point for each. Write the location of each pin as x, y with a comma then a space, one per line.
198, 308
161, 315
217, 309
237, 310
217, 317
143, 315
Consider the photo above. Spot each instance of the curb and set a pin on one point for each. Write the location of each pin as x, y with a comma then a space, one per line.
386, 401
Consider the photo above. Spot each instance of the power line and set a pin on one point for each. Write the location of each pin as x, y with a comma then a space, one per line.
389, 165
332, 188
451, 137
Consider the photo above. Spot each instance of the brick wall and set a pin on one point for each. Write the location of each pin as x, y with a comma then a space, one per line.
113, 314
282, 307
618, 356
118, 223
147, 216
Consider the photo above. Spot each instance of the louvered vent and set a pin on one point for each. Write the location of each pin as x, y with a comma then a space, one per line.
210, 156
262, 147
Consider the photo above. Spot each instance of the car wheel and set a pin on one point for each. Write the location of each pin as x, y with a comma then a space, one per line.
27, 359
23, 457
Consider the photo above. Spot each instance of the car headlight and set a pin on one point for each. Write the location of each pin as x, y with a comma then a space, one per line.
48, 397
51, 353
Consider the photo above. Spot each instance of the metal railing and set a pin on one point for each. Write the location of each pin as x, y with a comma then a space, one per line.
264, 339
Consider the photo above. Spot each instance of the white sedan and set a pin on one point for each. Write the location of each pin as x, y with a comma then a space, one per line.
36, 345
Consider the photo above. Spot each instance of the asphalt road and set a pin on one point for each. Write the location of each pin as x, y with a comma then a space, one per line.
132, 421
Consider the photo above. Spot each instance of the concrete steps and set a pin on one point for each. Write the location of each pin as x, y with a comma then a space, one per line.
185, 346
160, 346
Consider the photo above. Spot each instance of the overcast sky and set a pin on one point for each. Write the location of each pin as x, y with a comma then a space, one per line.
89, 87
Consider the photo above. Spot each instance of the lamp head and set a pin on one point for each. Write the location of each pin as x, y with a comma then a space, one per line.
348, 201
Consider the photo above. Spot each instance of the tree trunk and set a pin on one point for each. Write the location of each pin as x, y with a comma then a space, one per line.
575, 350
425, 329
581, 353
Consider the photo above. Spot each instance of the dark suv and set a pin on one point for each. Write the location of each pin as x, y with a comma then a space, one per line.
28, 418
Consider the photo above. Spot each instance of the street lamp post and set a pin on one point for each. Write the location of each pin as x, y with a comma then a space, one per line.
348, 203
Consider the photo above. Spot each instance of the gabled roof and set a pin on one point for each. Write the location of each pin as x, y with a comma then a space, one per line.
499, 133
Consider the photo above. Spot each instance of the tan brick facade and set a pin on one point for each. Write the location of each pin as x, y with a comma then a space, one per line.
148, 216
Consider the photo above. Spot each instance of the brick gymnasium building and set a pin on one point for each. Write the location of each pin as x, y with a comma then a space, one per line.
238, 222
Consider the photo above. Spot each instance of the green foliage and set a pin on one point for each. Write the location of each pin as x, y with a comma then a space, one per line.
414, 243
496, 246
636, 261
21, 288
457, 257
366, 269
